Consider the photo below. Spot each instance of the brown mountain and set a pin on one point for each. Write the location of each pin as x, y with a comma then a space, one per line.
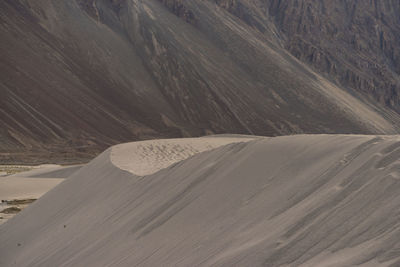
77, 76
354, 43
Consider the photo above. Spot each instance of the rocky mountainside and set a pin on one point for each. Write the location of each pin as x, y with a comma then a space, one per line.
356, 44
78, 76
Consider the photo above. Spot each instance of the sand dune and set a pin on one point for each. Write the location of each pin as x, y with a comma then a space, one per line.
309, 200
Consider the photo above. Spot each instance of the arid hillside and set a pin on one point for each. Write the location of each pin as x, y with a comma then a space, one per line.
78, 76
354, 43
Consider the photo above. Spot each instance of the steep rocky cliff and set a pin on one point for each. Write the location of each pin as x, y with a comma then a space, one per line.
78, 76
354, 43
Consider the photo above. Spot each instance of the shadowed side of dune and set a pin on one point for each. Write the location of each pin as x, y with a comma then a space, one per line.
299, 200
62, 172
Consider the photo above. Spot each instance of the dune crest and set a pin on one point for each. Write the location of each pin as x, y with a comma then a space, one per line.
147, 157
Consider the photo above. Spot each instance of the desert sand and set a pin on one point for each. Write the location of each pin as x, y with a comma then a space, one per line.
306, 200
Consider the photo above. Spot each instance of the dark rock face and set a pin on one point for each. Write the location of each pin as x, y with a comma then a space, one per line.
360, 49
354, 43
179, 9
78, 76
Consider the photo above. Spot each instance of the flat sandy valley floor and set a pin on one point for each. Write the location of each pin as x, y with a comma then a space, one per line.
20, 185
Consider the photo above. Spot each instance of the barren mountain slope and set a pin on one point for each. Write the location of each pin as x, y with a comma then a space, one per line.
308, 200
77, 76
353, 43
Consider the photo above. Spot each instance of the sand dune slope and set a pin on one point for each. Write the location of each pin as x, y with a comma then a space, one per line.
309, 200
